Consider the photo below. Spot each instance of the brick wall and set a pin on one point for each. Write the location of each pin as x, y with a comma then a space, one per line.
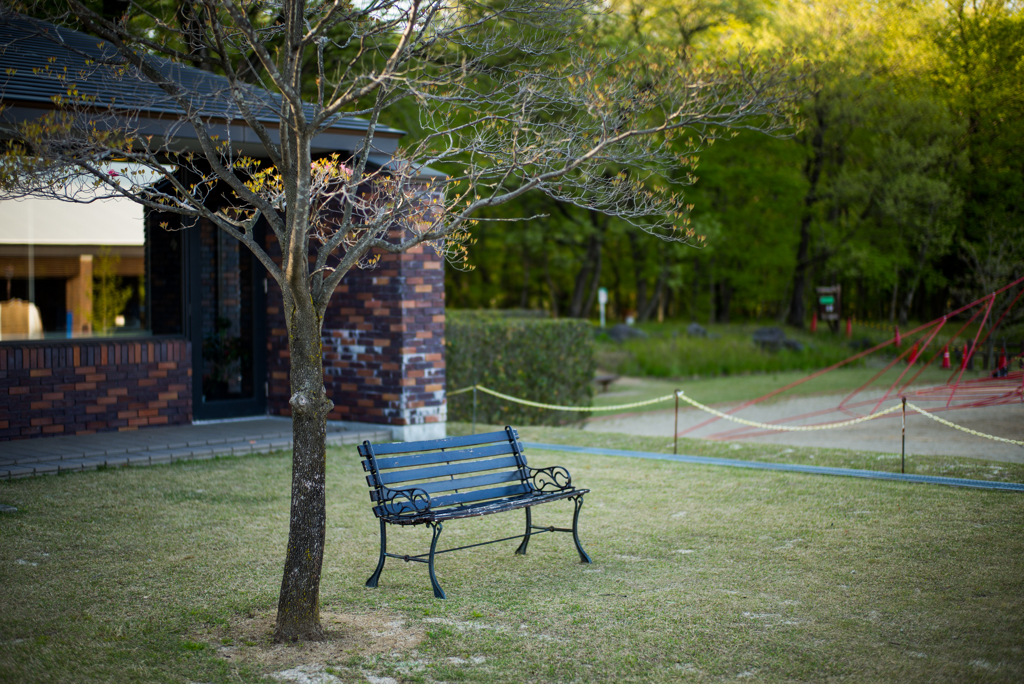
78, 387
383, 340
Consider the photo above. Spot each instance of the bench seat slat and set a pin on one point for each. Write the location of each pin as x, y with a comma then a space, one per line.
505, 504
477, 495
446, 443
393, 477
439, 503
443, 456
484, 508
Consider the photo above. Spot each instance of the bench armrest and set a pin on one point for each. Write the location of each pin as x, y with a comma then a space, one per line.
404, 501
552, 479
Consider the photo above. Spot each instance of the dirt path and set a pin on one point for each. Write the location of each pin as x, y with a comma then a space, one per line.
924, 436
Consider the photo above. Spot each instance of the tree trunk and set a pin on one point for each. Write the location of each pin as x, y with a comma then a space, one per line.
812, 171
524, 293
895, 297
725, 301
637, 252
582, 283
797, 303
908, 300
694, 290
298, 608
711, 290
915, 279
595, 284
656, 303
552, 288
589, 277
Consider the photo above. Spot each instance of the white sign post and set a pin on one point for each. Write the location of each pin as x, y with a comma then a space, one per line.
602, 299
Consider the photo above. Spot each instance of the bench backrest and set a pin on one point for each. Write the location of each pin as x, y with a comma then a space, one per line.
453, 472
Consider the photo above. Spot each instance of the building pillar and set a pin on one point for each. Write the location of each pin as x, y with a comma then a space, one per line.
78, 295
383, 347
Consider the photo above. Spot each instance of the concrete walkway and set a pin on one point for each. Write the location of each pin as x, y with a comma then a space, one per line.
52, 455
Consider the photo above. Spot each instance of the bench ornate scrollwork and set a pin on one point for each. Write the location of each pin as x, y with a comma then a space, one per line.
552, 479
403, 501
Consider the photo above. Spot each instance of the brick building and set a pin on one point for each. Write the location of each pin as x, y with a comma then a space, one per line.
210, 341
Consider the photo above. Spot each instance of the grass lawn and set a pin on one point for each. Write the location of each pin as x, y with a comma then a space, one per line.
702, 574
668, 352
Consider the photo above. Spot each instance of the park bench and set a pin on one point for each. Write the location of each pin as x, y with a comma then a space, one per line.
430, 482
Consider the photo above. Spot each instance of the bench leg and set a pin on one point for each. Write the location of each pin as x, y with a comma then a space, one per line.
438, 591
372, 582
521, 551
584, 558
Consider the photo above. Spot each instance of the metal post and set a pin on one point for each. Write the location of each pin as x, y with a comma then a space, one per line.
903, 448
675, 433
474, 409
1009, 368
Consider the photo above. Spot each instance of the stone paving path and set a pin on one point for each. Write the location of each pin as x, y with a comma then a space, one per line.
67, 453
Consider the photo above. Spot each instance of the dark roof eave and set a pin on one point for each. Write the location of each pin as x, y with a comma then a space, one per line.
243, 137
342, 123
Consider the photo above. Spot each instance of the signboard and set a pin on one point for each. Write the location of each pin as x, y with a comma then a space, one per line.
830, 305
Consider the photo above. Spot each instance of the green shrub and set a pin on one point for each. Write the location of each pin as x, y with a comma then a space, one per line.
548, 361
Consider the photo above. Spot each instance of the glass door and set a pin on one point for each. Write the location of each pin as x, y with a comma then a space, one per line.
226, 326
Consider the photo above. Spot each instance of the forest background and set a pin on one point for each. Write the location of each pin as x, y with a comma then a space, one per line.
905, 184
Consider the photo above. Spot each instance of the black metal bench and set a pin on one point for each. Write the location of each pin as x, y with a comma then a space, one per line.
426, 483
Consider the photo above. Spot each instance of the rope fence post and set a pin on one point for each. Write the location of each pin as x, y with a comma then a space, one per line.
903, 447
474, 409
675, 433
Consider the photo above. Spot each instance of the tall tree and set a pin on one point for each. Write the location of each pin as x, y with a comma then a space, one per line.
510, 98
978, 70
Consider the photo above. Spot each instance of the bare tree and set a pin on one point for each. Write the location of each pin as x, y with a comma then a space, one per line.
511, 98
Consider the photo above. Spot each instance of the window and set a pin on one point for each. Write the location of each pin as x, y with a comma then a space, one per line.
71, 270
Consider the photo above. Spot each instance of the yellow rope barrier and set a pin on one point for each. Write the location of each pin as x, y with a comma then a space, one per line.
536, 404
553, 407
734, 419
787, 428
828, 426
962, 428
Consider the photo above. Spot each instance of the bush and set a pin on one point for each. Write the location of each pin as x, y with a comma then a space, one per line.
548, 361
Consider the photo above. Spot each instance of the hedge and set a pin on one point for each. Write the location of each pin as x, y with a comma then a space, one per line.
549, 361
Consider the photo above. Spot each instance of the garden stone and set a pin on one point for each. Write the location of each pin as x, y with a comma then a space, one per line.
623, 332
696, 330
770, 338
